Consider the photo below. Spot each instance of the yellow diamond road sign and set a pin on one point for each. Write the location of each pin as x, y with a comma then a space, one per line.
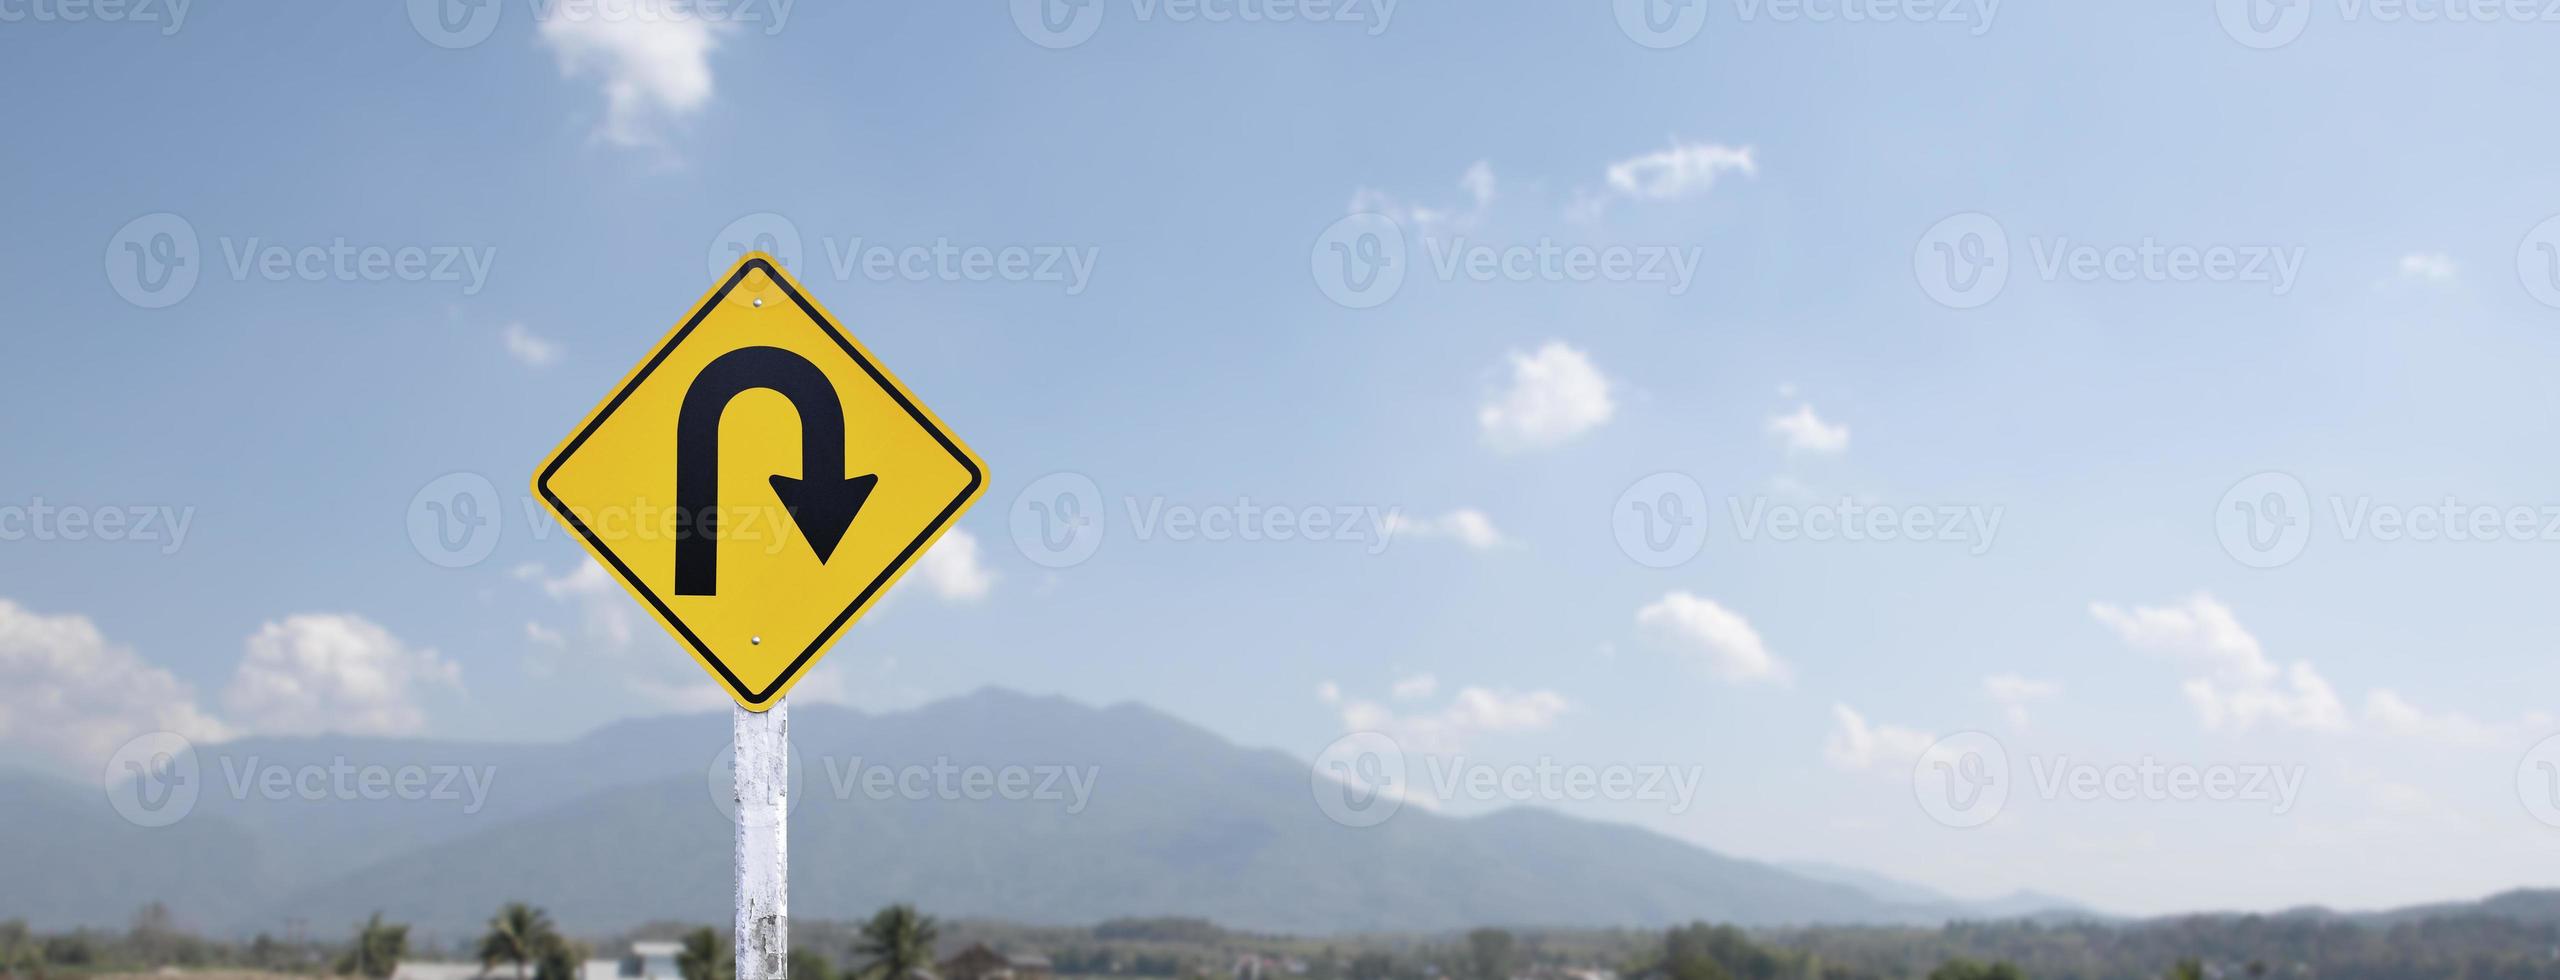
759, 481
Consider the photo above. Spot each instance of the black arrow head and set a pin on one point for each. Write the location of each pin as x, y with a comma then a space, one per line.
823, 508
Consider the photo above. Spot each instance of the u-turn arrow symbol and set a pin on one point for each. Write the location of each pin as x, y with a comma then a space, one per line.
822, 501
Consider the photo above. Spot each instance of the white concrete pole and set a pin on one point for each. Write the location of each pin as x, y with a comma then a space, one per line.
762, 773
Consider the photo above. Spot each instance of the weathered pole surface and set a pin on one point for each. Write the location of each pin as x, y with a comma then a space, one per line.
762, 774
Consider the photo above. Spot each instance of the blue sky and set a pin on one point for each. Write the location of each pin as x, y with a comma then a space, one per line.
2311, 252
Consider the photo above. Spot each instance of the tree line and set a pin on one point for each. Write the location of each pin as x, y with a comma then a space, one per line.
522, 942
894, 944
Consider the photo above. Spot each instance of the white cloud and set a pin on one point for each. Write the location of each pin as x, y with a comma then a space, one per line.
1498, 711
2394, 715
587, 579
546, 642
1329, 692
1466, 525
2236, 685
652, 58
2427, 267
601, 604
1472, 711
1554, 395
1857, 746
1717, 637
688, 694
69, 694
1683, 170
953, 569
314, 673
527, 349
544, 636
1478, 182
1806, 432
2014, 692
1416, 686
1680, 171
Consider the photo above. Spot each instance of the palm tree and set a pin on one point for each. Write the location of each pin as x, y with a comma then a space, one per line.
518, 935
20, 957
1965, 969
1489, 954
379, 946
702, 958
809, 964
562, 959
897, 941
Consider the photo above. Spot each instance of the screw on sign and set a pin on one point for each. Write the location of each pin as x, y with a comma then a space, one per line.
757, 482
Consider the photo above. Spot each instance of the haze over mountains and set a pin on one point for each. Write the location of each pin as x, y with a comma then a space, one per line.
1116, 811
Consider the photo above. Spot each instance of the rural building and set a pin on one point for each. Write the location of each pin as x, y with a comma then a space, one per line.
978, 962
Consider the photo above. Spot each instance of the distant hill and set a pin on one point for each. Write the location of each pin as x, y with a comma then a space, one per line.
67, 859
2015, 905
620, 827
2536, 906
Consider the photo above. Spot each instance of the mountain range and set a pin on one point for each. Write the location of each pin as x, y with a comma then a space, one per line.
1118, 811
